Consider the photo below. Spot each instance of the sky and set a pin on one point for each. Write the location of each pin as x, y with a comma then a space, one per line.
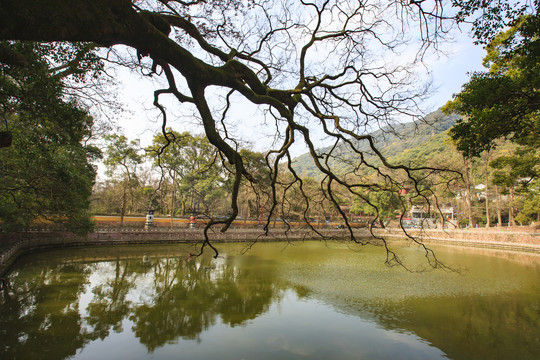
141, 120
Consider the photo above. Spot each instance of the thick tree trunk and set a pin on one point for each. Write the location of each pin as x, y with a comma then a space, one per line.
511, 214
105, 21
173, 199
498, 197
184, 206
247, 212
468, 200
488, 223
124, 203
486, 178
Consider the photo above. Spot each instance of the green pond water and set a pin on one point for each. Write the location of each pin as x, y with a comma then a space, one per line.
308, 300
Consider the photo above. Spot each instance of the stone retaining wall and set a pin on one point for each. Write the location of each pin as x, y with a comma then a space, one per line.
496, 238
485, 235
14, 245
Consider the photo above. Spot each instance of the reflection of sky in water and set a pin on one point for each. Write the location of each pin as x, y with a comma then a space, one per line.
289, 330
142, 290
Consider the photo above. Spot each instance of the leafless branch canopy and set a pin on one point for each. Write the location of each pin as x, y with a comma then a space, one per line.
322, 69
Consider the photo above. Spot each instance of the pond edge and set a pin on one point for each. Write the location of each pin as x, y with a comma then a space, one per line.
15, 245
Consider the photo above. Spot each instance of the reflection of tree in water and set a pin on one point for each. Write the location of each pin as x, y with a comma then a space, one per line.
504, 326
175, 299
190, 297
170, 298
39, 316
180, 306
498, 326
109, 305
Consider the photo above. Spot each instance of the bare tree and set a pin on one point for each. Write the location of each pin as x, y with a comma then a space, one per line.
333, 69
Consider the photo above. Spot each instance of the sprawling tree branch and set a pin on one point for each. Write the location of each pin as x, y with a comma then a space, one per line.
314, 68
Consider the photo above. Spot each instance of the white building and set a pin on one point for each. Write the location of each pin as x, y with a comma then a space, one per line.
432, 217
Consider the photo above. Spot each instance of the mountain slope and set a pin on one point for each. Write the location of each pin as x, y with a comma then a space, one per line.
411, 142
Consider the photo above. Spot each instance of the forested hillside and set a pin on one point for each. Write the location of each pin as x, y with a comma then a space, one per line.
412, 142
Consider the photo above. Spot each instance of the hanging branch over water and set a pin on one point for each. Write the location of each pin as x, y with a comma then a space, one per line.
321, 68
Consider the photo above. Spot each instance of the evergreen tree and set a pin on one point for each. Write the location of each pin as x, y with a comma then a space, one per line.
46, 173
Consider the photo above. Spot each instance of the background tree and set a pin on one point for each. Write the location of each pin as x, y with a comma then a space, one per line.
485, 165
255, 195
517, 174
203, 181
531, 211
504, 103
47, 170
380, 204
167, 154
190, 163
122, 158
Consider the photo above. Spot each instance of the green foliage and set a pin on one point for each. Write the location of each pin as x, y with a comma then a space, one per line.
426, 152
203, 178
122, 158
382, 204
122, 155
531, 209
46, 173
191, 165
167, 153
256, 165
504, 102
494, 15
510, 168
256, 193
